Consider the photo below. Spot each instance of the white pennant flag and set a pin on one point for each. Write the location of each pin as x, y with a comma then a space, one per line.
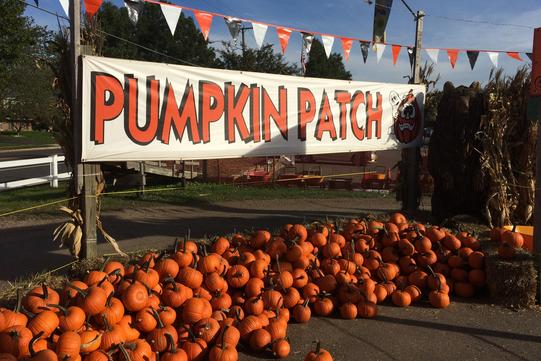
380, 48
259, 33
328, 41
134, 7
493, 56
171, 15
66, 6
433, 54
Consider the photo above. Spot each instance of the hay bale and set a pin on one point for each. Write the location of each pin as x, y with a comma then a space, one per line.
511, 283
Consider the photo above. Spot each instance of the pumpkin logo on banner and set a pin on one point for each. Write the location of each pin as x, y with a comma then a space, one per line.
407, 117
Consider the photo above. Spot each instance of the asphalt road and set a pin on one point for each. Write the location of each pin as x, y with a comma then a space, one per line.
33, 171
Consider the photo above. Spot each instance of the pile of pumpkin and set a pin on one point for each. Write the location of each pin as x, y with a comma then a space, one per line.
509, 241
198, 302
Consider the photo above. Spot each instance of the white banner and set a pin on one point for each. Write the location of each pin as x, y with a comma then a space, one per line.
134, 110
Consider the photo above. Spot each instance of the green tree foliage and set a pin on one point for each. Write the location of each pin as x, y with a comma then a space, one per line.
319, 66
25, 85
263, 60
152, 32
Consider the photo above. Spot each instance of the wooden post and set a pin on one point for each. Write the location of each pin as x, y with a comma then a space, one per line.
411, 155
535, 91
85, 173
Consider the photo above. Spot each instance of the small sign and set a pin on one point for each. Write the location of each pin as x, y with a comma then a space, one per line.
535, 88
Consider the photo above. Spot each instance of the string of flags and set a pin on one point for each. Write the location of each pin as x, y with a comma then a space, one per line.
172, 12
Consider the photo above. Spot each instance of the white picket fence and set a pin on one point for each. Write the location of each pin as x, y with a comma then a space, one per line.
52, 178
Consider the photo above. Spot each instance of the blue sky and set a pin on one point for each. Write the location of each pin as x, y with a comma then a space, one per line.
355, 17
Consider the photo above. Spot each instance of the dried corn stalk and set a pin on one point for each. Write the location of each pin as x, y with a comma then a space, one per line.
508, 150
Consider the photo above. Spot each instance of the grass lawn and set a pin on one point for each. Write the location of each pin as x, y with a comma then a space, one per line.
27, 139
194, 193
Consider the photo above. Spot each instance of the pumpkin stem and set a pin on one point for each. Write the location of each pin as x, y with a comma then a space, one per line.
109, 298
124, 352
62, 309
194, 260
157, 318
79, 290
318, 347
19, 300
105, 322
171, 343
223, 334
175, 246
191, 334
32, 342
103, 280
104, 263
305, 304
45, 291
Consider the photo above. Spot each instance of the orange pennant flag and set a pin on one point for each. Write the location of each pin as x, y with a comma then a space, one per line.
346, 45
396, 51
92, 7
453, 55
205, 21
514, 55
283, 36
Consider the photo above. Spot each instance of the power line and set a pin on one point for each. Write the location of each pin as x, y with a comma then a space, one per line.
115, 36
471, 21
486, 22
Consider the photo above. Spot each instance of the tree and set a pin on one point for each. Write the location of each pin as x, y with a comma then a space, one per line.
25, 86
152, 32
320, 67
263, 60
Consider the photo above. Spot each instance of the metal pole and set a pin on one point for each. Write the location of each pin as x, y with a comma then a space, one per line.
411, 155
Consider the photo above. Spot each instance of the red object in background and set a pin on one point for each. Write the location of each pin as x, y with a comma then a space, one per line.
535, 87
91, 7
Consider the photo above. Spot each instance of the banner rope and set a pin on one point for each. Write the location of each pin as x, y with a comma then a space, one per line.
165, 189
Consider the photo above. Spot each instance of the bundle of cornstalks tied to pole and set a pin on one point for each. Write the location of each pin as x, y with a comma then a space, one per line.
507, 153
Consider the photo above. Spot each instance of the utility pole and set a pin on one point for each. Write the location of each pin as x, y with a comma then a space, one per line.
85, 173
243, 44
411, 155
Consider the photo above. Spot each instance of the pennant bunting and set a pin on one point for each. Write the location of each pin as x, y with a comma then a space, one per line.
234, 25
259, 33
493, 56
433, 54
472, 57
37, 2
514, 55
530, 56
380, 48
65, 6
328, 42
382, 10
134, 9
205, 21
92, 7
396, 50
346, 45
411, 55
452, 54
307, 40
171, 15
283, 36
365, 45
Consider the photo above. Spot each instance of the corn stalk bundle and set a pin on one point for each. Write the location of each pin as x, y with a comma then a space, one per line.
507, 153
